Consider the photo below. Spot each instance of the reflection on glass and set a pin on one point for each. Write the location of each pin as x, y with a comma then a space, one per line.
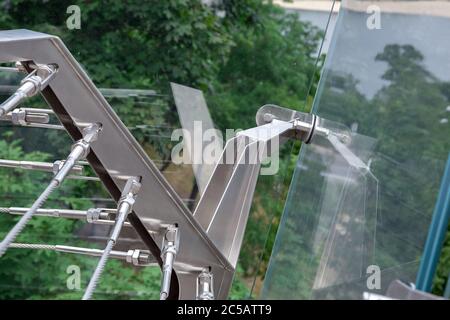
197, 127
151, 118
365, 203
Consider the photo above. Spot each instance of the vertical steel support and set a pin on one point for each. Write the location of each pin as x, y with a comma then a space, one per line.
447, 288
436, 235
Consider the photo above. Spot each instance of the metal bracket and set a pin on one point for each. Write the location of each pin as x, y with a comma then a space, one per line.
224, 207
205, 285
25, 117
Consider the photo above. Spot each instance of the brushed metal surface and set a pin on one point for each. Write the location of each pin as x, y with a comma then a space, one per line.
224, 207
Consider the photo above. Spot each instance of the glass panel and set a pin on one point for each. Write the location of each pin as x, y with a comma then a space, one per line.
365, 203
196, 121
151, 117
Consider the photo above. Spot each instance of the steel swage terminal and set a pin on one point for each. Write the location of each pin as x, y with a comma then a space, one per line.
140, 258
205, 285
38, 166
124, 207
31, 85
136, 257
26, 116
79, 150
31, 117
169, 251
102, 216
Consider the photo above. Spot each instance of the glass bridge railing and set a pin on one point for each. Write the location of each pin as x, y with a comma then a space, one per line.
358, 213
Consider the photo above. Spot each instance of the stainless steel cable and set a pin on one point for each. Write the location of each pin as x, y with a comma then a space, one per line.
80, 149
136, 257
124, 207
9, 69
14, 232
98, 271
32, 246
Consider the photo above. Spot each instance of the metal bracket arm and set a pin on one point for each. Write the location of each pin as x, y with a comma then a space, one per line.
224, 206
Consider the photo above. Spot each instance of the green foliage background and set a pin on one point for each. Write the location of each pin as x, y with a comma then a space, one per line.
241, 53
